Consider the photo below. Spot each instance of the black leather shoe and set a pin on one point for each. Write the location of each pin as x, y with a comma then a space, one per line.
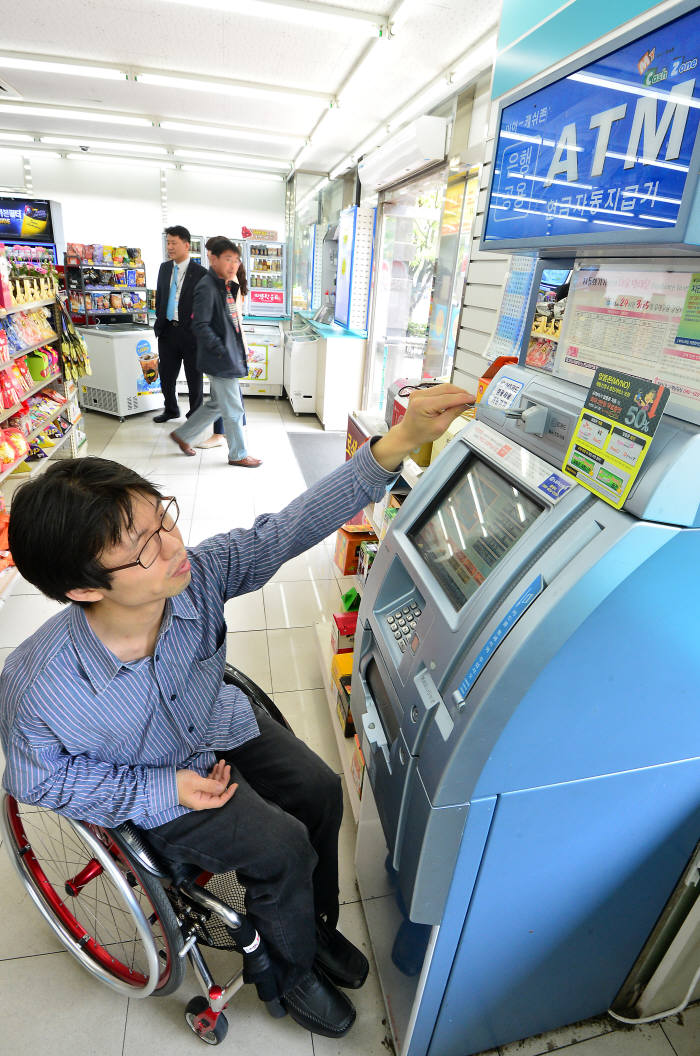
163, 417
314, 1003
342, 962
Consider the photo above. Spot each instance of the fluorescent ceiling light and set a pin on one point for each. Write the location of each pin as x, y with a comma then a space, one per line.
365, 23
22, 153
240, 174
225, 87
110, 148
55, 65
109, 159
243, 160
76, 115
17, 137
232, 133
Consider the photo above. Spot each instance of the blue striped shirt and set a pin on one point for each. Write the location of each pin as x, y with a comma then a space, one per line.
89, 736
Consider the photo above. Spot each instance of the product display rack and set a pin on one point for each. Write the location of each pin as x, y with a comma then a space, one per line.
346, 745
83, 295
13, 473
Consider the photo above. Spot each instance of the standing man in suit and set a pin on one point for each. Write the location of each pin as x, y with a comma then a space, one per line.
177, 278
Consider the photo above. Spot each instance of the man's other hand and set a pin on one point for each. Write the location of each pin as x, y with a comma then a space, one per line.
204, 793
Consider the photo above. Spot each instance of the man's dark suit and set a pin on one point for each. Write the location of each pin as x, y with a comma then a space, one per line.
176, 341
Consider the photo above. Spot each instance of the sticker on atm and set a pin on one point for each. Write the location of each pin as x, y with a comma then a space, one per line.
613, 433
505, 393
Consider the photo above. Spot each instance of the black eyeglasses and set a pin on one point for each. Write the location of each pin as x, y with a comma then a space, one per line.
406, 390
150, 550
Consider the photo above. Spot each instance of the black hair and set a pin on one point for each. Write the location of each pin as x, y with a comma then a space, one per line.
63, 519
241, 274
178, 231
221, 244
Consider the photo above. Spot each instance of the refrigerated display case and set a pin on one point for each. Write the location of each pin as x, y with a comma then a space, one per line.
266, 265
407, 250
265, 343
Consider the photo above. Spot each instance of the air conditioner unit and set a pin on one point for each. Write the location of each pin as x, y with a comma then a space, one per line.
415, 146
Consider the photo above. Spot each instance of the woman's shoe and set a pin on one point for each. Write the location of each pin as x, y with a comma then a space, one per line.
212, 441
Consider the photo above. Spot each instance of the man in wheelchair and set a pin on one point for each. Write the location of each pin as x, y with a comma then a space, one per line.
115, 709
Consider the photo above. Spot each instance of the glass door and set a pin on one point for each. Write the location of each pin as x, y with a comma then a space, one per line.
409, 236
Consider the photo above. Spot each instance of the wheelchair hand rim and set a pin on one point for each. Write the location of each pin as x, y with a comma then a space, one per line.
92, 955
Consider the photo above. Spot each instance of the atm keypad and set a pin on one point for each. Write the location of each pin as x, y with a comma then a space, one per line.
402, 624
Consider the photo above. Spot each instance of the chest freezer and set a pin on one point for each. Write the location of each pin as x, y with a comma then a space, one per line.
124, 379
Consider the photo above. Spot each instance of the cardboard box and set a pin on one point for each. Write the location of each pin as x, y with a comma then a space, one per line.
341, 665
491, 372
357, 768
343, 708
343, 632
348, 541
367, 554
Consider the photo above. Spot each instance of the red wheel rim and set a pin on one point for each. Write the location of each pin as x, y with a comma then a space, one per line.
72, 925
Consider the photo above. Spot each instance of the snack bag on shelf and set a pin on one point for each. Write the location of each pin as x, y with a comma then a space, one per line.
36, 452
38, 365
7, 451
57, 397
4, 345
7, 391
17, 442
21, 375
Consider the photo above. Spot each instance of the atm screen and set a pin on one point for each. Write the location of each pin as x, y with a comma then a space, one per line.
470, 527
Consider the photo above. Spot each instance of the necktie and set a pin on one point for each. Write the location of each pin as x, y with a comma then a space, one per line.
170, 310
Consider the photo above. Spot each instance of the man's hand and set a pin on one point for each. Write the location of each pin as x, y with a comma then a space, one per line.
204, 793
427, 416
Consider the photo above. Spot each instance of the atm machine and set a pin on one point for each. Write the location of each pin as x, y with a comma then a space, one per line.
526, 659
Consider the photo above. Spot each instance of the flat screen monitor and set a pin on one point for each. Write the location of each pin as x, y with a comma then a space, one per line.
25, 220
467, 530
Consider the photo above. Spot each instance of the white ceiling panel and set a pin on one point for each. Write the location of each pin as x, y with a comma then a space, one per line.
176, 37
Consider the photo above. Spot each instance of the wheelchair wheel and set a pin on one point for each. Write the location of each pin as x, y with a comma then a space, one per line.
116, 921
212, 1036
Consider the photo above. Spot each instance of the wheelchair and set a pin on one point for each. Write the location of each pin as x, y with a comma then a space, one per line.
131, 918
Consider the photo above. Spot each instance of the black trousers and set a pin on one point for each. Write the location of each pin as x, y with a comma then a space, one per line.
176, 345
279, 831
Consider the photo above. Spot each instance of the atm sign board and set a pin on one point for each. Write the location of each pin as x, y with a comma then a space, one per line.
606, 153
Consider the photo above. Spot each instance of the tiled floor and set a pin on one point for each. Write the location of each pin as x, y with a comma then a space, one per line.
48, 1001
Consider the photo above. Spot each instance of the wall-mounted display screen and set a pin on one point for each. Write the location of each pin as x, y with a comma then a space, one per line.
606, 152
25, 219
470, 527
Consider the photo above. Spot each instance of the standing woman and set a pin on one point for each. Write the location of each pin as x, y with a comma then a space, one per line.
218, 437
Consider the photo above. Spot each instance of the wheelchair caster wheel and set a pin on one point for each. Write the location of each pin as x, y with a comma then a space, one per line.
212, 1036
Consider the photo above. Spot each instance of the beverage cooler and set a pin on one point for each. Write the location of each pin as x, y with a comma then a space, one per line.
266, 264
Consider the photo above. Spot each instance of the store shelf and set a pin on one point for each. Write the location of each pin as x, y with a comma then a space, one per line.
25, 307
113, 289
346, 745
25, 351
111, 311
35, 467
9, 411
47, 421
105, 267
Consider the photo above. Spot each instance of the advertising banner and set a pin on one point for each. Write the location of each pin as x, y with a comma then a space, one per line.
605, 151
613, 434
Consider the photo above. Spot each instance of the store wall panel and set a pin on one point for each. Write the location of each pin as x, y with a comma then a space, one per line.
11, 172
121, 204
481, 296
